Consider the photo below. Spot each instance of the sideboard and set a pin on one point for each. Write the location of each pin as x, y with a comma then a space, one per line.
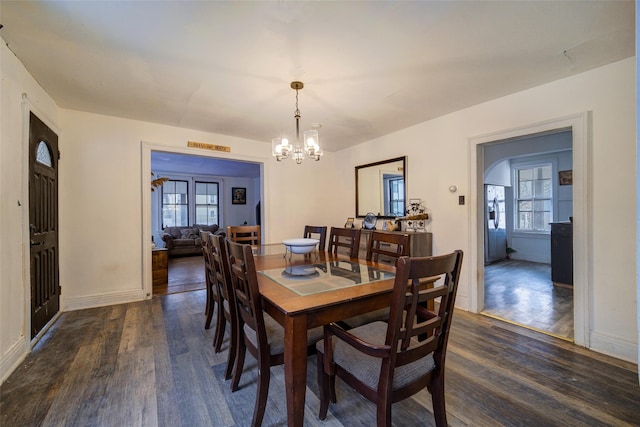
419, 242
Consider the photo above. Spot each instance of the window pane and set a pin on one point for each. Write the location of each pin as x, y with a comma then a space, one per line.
43, 155
524, 206
169, 187
182, 217
542, 205
541, 221
201, 214
181, 186
525, 174
525, 189
201, 199
543, 172
543, 188
524, 220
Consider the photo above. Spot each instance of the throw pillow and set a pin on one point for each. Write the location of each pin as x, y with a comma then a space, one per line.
188, 233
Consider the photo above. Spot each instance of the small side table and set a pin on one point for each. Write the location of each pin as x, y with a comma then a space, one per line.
160, 266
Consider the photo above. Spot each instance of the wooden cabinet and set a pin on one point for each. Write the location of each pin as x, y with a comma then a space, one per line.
419, 242
160, 266
562, 253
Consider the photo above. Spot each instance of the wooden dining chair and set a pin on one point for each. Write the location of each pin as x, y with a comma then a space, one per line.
316, 231
386, 361
386, 248
348, 238
212, 297
227, 312
247, 234
257, 331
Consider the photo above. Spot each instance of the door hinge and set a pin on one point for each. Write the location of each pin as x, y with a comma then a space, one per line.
58, 154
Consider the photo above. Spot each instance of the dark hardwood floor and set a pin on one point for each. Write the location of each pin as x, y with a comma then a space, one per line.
522, 292
185, 274
151, 363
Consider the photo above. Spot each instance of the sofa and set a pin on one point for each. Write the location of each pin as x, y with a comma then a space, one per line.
184, 241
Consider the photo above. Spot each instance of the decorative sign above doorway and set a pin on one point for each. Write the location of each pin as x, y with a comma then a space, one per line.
204, 146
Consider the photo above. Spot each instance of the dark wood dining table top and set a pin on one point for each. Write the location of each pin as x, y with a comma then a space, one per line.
291, 303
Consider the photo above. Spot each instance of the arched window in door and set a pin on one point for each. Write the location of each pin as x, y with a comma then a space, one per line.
43, 154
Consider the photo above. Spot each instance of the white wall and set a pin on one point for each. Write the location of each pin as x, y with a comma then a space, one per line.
103, 155
438, 154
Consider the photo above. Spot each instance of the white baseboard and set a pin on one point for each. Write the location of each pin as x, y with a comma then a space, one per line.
614, 346
101, 300
13, 357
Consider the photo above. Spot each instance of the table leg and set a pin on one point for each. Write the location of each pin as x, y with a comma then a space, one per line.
295, 367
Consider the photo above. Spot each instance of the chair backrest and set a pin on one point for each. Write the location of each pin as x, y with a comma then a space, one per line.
206, 252
221, 273
247, 234
244, 281
389, 245
348, 238
421, 331
311, 230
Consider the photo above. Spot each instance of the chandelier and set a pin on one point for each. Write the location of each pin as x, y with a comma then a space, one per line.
281, 148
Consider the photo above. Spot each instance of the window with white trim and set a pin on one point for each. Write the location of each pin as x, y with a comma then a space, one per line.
175, 204
207, 206
533, 198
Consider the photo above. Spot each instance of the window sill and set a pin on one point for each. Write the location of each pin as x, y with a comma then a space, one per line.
531, 234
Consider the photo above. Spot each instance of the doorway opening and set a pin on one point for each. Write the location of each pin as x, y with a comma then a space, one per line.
195, 194
523, 198
578, 125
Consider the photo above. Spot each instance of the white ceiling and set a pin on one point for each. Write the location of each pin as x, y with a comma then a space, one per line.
173, 163
369, 68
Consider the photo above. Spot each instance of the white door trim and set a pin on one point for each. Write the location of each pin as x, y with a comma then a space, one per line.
582, 226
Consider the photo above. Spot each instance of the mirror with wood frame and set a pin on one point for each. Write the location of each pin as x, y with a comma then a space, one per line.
381, 188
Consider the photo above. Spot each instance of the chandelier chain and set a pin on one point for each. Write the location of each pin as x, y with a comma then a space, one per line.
297, 116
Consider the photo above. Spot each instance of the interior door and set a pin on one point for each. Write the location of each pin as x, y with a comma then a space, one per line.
43, 223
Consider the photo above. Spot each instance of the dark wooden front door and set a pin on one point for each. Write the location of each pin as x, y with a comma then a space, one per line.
43, 223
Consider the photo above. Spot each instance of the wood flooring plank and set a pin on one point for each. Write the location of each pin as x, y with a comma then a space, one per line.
166, 398
131, 395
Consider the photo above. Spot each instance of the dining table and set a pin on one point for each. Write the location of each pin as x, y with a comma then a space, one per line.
303, 291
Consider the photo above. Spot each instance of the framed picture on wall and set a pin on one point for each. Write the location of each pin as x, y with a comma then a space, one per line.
566, 177
238, 195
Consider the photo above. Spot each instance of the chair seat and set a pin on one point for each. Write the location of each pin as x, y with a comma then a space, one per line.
367, 368
275, 332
